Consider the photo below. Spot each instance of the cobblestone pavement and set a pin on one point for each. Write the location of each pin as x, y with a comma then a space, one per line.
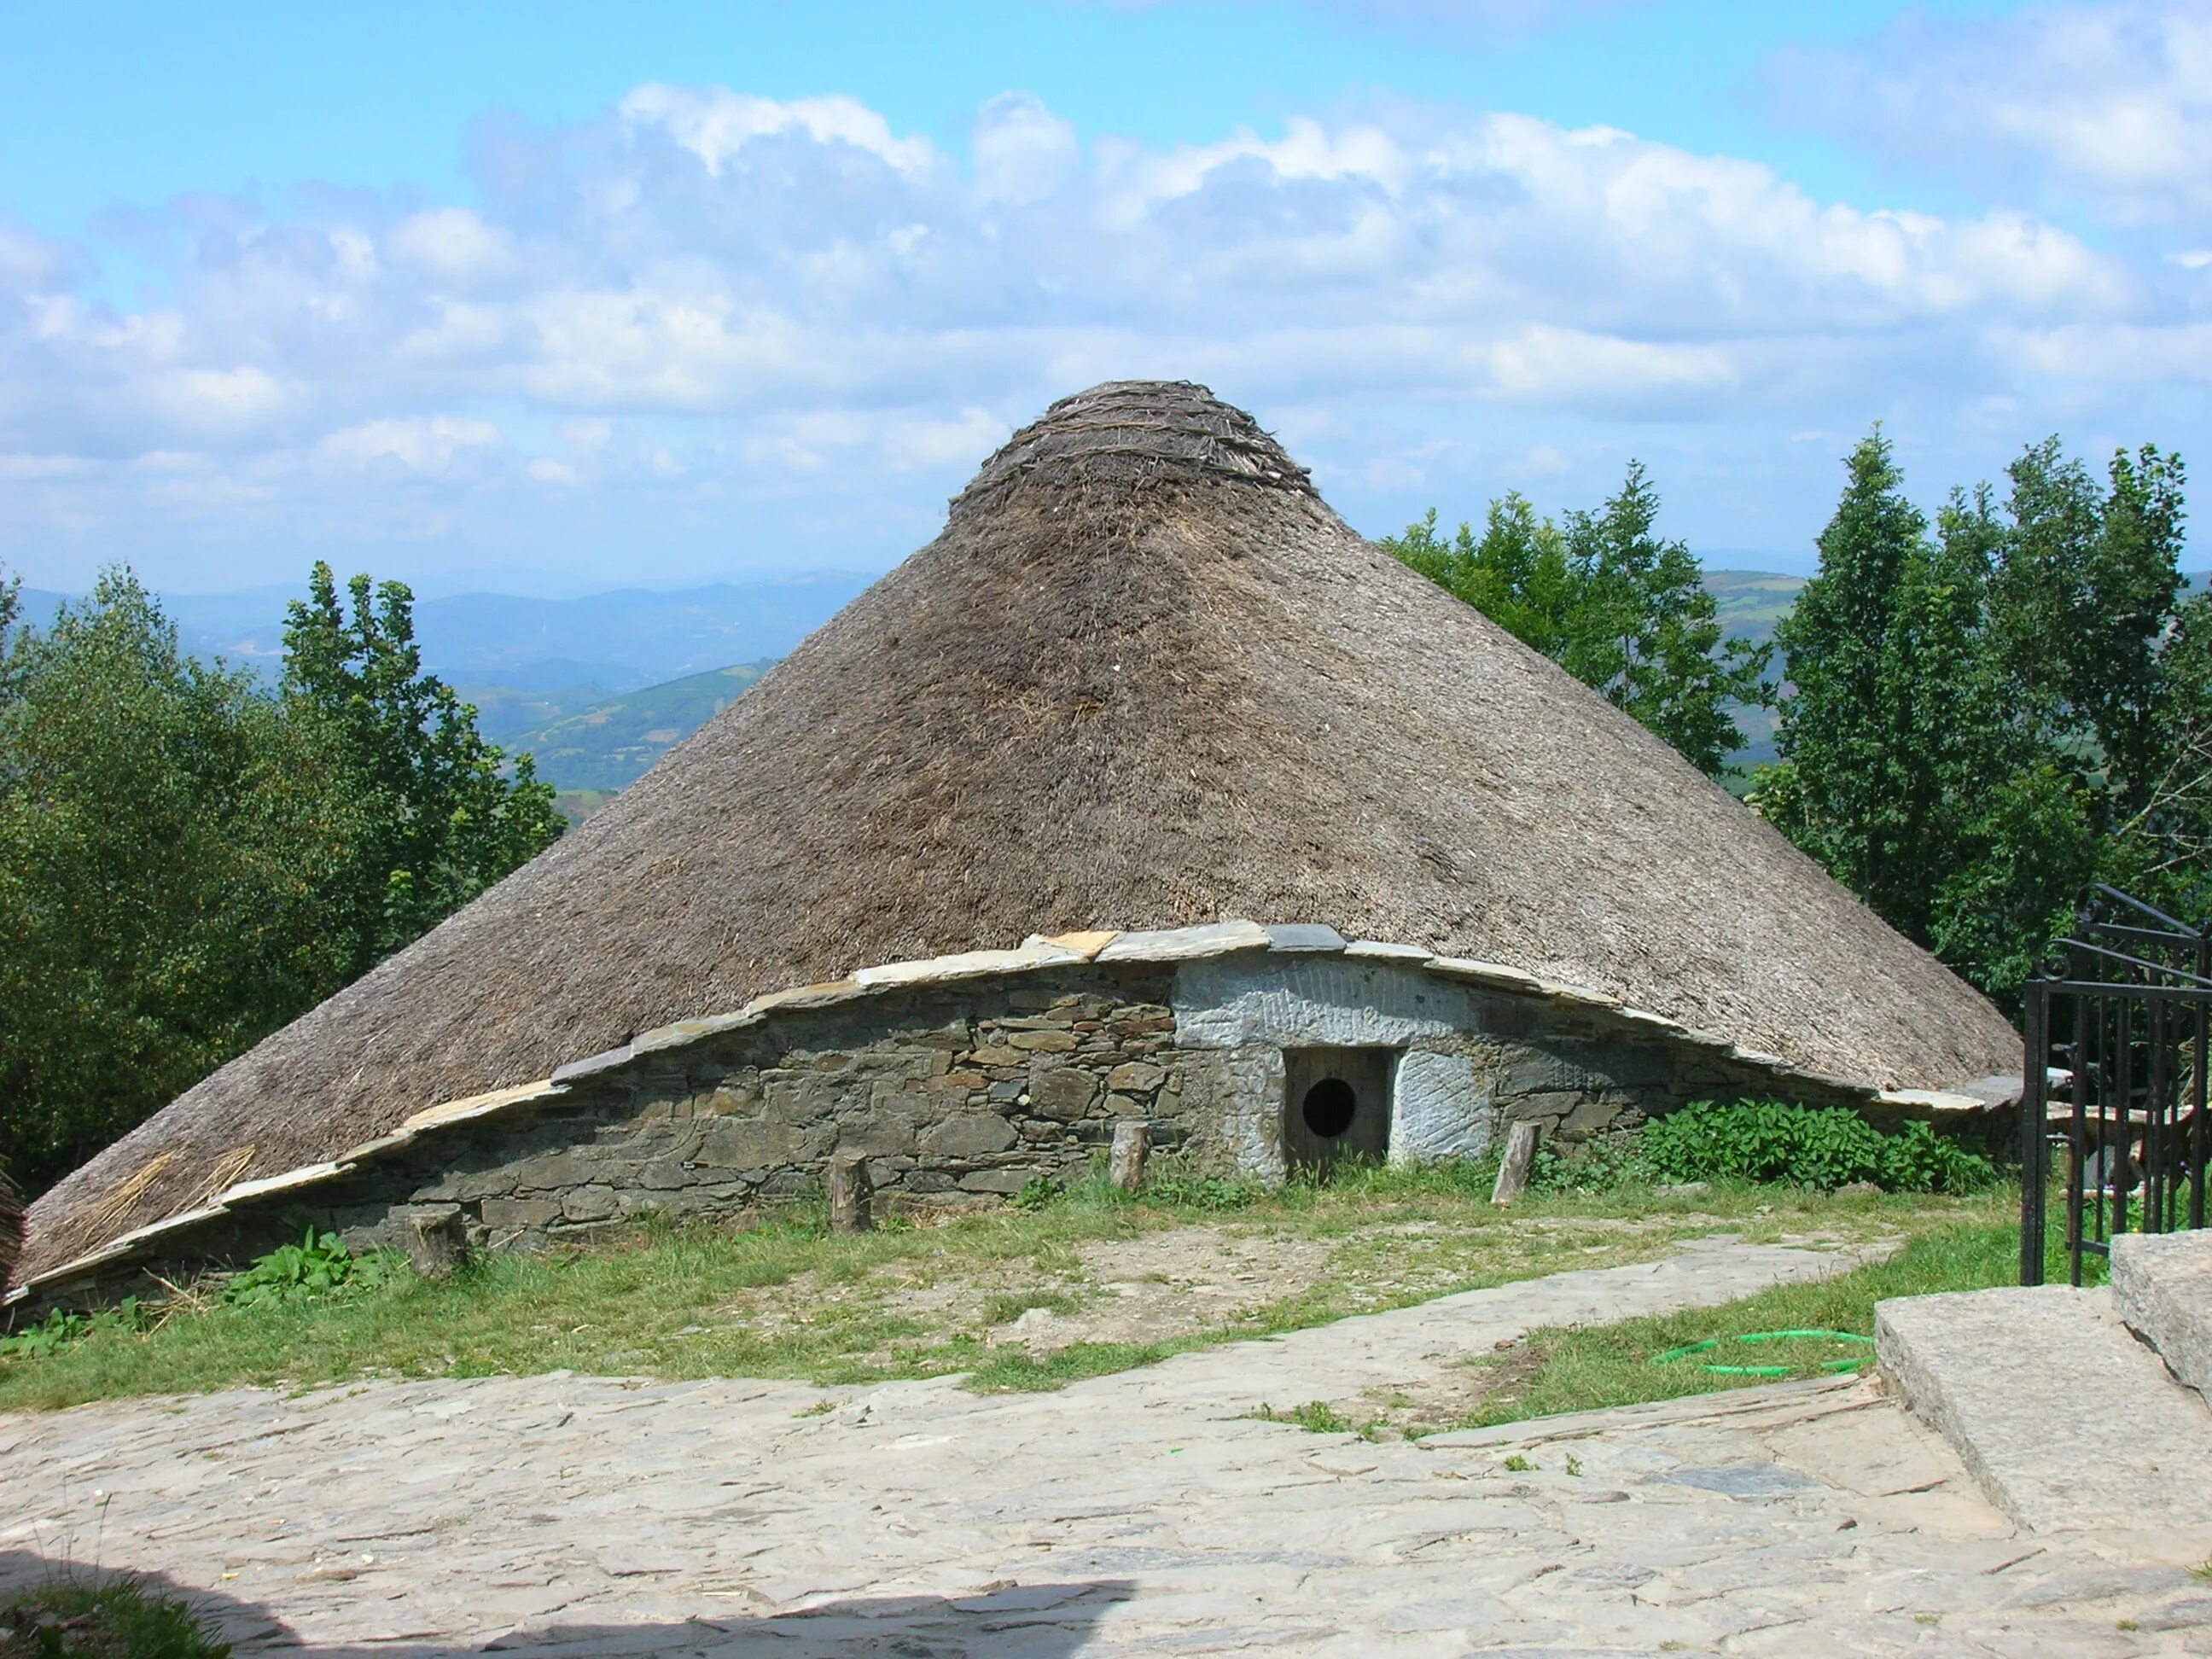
1139, 1513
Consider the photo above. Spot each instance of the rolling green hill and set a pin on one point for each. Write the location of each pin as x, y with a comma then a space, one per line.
594, 751
1751, 603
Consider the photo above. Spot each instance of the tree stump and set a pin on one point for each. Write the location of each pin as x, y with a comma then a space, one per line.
849, 1192
1133, 1144
1520, 1152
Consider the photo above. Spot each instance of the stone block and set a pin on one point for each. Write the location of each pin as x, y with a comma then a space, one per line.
955, 1080
590, 1204
561, 1170
1008, 1182
1530, 1109
750, 1143
994, 1054
1536, 1071
969, 1134
2162, 1284
1042, 1042
1128, 1105
1589, 1117
1135, 1077
881, 1132
731, 1100
527, 1213
1063, 1093
1438, 1110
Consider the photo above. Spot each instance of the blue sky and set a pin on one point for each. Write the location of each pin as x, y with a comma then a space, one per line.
546, 297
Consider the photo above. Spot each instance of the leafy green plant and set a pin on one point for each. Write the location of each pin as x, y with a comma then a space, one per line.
318, 1265
1602, 1165
1807, 1146
1037, 1192
61, 1327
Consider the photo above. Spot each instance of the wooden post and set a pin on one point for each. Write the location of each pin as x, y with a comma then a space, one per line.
1520, 1152
849, 1191
435, 1242
1132, 1143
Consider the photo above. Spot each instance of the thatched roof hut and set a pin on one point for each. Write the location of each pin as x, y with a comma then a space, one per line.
1145, 678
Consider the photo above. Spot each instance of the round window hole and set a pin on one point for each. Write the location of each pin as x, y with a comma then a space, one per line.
1328, 1107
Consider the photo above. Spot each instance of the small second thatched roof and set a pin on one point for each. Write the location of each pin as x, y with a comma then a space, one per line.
1145, 678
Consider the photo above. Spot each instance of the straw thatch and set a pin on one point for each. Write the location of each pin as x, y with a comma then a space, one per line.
1145, 678
11, 1229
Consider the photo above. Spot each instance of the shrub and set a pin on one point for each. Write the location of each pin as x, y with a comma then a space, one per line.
1808, 1146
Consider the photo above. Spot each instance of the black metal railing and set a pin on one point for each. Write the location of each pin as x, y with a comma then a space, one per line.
2114, 1082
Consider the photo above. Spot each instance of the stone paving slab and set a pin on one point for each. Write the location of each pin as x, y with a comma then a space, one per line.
2069, 1422
2162, 1288
1143, 1513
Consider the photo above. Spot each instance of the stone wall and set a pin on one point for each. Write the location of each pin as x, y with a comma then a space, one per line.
963, 1092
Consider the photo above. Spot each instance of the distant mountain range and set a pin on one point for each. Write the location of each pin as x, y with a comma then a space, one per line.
605, 643
599, 688
590, 754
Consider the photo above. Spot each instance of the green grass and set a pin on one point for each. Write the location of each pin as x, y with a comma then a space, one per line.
1605, 1365
784, 1297
117, 1619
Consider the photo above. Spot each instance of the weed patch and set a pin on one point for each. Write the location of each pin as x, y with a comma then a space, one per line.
117, 1619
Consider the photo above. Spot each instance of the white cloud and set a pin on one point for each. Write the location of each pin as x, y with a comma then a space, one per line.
2106, 106
452, 243
797, 308
716, 124
430, 445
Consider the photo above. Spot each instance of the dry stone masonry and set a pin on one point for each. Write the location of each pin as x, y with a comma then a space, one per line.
963, 1080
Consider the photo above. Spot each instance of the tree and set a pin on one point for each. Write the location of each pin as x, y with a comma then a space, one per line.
1623, 611
187, 862
1644, 631
2085, 590
443, 819
1985, 722
164, 837
1834, 793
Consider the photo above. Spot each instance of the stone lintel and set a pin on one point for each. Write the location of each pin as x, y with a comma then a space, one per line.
605, 1061
1491, 975
138, 1236
678, 1033
1577, 996
1658, 1024
305, 1176
966, 964
819, 995
1085, 944
1301, 936
471, 1106
1383, 951
1186, 944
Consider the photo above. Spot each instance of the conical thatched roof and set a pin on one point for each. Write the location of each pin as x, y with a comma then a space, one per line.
1144, 679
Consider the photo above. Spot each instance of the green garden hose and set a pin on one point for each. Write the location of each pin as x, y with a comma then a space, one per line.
1713, 1342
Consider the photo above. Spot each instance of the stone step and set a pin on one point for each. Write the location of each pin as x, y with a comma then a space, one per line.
2162, 1286
2069, 1422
